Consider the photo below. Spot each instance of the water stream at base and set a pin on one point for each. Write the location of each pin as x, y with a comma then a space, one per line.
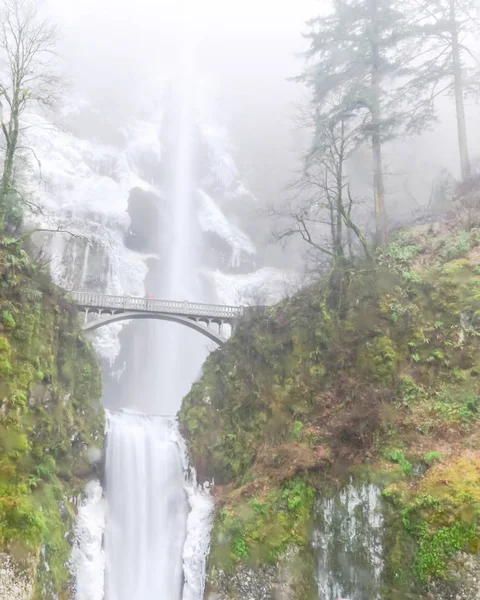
147, 509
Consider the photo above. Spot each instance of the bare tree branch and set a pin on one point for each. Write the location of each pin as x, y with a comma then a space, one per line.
320, 208
57, 230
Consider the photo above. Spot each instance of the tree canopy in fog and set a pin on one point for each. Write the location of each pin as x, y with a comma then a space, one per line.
447, 64
380, 66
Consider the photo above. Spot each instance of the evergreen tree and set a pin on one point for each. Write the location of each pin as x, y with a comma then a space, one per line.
445, 28
359, 66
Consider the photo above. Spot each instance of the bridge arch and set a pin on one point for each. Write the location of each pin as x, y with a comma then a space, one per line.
187, 322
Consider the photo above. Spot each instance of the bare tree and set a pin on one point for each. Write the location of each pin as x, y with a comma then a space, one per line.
27, 47
320, 212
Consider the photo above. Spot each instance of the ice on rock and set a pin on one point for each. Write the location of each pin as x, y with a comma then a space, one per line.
213, 220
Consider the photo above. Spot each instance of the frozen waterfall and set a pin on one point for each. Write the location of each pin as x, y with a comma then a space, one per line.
147, 512
144, 219
349, 544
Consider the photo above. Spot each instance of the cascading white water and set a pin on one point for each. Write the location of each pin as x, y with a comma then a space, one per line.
158, 521
180, 352
88, 556
147, 509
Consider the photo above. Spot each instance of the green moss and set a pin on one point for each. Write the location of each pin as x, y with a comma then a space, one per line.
304, 388
378, 360
8, 320
21, 520
441, 513
262, 530
53, 573
5, 357
432, 457
49, 417
398, 456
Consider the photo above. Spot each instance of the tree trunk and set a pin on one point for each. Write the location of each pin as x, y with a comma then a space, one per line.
339, 196
378, 183
11, 133
6, 179
7, 175
458, 87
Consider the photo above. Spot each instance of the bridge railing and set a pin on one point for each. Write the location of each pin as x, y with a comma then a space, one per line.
102, 301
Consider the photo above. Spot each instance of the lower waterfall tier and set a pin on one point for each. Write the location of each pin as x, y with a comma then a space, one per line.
147, 509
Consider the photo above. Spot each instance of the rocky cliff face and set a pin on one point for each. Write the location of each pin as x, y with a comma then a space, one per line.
51, 428
345, 436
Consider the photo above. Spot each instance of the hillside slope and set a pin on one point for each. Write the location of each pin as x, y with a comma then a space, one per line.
310, 405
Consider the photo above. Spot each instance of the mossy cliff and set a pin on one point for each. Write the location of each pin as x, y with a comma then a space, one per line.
50, 420
375, 385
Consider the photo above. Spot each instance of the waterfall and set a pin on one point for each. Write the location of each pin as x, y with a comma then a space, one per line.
147, 509
158, 520
88, 557
349, 544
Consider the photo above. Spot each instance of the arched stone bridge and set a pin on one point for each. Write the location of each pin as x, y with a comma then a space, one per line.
201, 317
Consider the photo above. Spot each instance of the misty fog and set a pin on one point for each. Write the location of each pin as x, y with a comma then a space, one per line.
176, 168
121, 57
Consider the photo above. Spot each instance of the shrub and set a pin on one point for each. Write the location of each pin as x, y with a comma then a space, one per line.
8, 320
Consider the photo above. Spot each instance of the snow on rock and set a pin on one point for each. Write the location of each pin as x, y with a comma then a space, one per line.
264, 286
77, 174
223, 174
88, 558
213, 220
197, 542
143, 143
199, 526
83, 192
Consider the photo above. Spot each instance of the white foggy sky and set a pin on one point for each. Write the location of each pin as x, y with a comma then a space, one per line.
245, 48
119, 48
214, 17
255, 36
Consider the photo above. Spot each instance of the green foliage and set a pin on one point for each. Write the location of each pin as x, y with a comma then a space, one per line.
263, 530
297, 430
436, 550
21, 521
438, 544
430, 457
48, 420
8, 320
5, 356
441, 512
459, 244
379, 359
409, 390
397, 456
401, 252
454, 405
300, 385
